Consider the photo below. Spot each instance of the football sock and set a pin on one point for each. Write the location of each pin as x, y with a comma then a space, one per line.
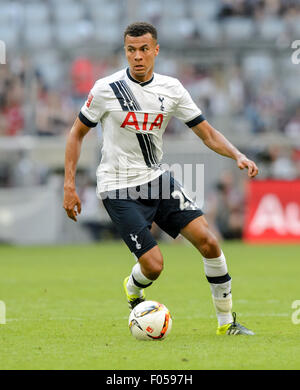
220, 283
137, 281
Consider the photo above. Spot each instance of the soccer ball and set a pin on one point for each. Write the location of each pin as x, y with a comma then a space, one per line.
150, 320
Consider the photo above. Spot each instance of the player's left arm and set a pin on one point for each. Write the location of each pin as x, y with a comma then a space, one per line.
216, 141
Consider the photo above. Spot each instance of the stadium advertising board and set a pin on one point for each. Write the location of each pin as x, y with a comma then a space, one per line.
272, 211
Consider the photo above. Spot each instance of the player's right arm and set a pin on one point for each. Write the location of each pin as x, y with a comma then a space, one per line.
72, 203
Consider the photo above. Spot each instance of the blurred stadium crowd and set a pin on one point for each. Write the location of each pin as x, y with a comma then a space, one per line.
234, 56
257, 87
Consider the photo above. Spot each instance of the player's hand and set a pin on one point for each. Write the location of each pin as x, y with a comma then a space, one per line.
72, 204
243, 162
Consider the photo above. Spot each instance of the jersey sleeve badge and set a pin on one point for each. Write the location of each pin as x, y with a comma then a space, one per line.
89, 100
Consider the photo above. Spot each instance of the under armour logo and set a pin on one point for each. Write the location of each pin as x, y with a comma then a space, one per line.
134, 238
161, 99
226, 294
127, 104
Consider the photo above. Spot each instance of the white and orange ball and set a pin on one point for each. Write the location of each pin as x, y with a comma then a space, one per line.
150, 320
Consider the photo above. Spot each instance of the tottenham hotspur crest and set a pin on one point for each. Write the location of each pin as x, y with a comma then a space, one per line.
161, 99
135, 238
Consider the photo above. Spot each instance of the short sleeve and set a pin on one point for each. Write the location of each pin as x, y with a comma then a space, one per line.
187, 110
93, 108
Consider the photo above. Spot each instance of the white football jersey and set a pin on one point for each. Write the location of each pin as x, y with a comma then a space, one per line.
134, 116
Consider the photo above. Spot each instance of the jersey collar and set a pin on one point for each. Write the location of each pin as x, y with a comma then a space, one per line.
141, 83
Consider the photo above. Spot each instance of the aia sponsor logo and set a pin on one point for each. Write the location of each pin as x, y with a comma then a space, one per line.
143, 124
273, 211
271, 214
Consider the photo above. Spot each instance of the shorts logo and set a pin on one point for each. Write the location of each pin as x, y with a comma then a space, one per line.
134, 238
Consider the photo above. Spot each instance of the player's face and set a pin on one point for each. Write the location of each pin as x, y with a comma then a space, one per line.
141, 52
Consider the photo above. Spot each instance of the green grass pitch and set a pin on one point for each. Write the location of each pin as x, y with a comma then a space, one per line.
66, 309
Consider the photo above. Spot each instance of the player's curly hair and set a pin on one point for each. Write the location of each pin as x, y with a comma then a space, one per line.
138, 29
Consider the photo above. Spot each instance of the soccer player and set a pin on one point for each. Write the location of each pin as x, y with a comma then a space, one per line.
134, 106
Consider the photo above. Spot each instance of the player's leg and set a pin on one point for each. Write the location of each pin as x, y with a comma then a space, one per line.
215, 268
133, 220
147, 269
179, 214
151, 263
143, 274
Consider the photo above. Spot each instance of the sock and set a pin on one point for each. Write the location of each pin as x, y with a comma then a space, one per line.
220, 284
137, 281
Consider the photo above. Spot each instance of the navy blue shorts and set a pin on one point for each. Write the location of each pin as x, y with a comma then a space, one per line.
162, 201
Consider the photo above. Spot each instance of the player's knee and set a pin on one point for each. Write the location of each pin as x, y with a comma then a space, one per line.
209, 246
152, 266
156, 267
152, 263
